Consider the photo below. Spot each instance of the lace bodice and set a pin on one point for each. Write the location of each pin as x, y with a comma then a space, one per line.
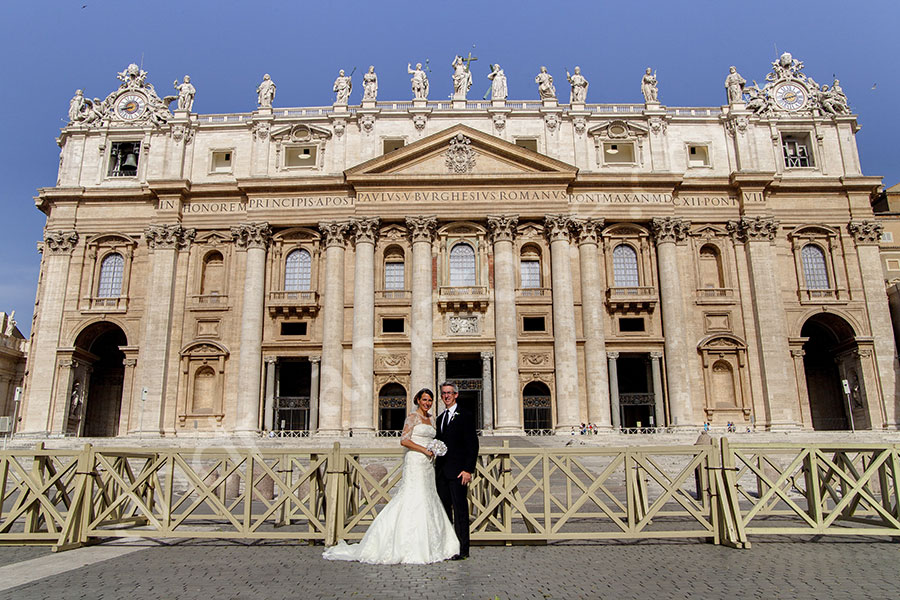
413, 421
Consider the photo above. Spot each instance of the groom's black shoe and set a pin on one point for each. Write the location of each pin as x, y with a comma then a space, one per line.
459, 557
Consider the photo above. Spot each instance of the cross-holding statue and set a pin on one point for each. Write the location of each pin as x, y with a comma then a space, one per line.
343, 85
462, 76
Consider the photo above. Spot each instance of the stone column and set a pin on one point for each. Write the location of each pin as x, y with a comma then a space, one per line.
129, 362
567, 414
65, 379
165, 242
667, 232
867, 235
362, 370
615, 411
509, 405
57, 250
487, 392
269, 411
593, 317
314, 393
253, 238
421, 231
797, 355
658, 396
331, 392
441, 358
779, 388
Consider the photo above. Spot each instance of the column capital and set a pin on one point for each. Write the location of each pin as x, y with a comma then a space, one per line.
251, 235
557, 227
169, 236
798, 352
335, 232
365, 230
421, 228
587, 230
129, 362
669, 229
612, 355
315, 359
753, 229
60, 242
503, 227
487, 355
269, 360
656, 355
865, 233
441, 355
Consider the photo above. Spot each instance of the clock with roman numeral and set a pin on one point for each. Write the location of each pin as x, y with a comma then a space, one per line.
790, 96
131, 106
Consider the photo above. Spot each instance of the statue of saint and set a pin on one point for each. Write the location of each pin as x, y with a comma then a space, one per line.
579, 84
186, 92
265, 93
757, 101
370, 84
10, 324
648, 86
77, 107
342, 87
734, 84
546, 90
462, 78
419, 81
833, 101
498, 83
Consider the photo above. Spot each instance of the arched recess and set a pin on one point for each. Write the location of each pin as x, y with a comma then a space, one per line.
202, 385
94, 378
391, 407
537, 407
725, 378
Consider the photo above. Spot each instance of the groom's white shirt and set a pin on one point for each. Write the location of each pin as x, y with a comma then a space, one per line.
450, 412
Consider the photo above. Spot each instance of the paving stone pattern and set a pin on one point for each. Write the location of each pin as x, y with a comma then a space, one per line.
822, 569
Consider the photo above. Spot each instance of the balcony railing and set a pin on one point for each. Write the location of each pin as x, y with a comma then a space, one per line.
710, 295
822, 295
210, 301
118, 303
530, 292
472, 297
293, 302
640, 296
396, 295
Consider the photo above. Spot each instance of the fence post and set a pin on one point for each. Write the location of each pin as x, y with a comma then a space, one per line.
334, 482
726, 498
78, 519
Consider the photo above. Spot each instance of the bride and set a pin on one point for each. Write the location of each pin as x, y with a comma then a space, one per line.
413, 527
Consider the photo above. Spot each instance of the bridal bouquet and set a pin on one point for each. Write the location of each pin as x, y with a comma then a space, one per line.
437, 447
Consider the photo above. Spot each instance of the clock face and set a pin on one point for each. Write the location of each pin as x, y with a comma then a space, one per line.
790, 96
130, 106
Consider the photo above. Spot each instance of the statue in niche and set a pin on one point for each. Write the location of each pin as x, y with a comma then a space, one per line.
265, 93
186, 93
419, 81
342, 87
734, 85
578, 94
546, 90
649, 86
75, 399
78, 107
370, 84
462, 78
499, 90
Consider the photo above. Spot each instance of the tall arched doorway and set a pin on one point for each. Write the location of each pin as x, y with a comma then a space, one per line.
102, 403
391, 407
537, 407
830, 356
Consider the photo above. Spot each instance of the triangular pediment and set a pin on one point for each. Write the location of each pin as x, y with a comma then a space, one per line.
461, 154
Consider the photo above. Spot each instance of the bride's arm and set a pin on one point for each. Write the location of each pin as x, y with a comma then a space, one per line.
406, 437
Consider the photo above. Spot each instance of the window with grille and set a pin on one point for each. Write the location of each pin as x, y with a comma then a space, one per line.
462, 266
394, 276
111, 270
297, 271
531, 273
815, 271
625, 266
796, 152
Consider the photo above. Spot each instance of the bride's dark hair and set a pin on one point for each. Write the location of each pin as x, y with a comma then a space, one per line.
419, 395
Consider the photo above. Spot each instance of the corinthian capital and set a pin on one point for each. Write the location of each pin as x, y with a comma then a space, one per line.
251, 235
366, 230
421, 229
169, 236
753, 229
587, 231
557, 227
503, 227
335, 232
669, 229
60, 242
865, 232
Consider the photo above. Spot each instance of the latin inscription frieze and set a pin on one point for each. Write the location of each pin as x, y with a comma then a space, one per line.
233, 206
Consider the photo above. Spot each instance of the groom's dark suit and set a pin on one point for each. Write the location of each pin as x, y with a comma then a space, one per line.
462, 450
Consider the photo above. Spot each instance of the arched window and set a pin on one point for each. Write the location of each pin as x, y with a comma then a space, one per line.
710, 268
625, 267
394, 269
815, 271
213, 280
462, 266
297, 271
530, 268
111, 270
537, 406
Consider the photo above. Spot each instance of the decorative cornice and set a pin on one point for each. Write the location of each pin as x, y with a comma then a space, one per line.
503, 227
169, 236
365, 230
753, 229
335, 232
251, 235
60, 242
421, 229
587, 231
865, 232
669, 229
557, 227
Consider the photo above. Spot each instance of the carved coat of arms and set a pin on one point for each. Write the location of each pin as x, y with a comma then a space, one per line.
460, 157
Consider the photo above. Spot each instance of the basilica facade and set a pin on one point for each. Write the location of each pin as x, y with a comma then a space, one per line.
307, 270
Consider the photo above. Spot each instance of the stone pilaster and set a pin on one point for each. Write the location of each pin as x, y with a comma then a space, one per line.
252, 238
593, 317
487, 392
314, 392
165, 241
658, 396
509, 414
612, 358
421, 336
332, 379
797, 355
57, 251
564, 349
441, 358
362, 408
269, 411
668, 231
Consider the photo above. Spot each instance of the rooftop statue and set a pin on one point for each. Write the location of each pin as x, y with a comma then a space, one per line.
419, 81
786, 67
546, 90
649, 86
499, 90
462, 78
186, 93
78, 107
370, 85
734, 86
833, 101
579, 85
265, 93
342, 87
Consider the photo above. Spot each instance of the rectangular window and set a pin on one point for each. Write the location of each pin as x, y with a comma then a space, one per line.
797, 152
528, 143
300, 156
531, 273
294, 328
533, 324
221, 161
698, 156
391, 145
893, 264
123, 159
394, 276
618, 153
632, 325
392, 325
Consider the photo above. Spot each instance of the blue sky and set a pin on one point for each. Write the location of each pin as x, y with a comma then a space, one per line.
50, 48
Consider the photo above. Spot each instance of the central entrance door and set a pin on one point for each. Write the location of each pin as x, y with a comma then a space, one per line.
464, 370
292, 381
636, 398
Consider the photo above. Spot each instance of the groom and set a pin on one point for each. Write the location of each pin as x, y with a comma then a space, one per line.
453, 471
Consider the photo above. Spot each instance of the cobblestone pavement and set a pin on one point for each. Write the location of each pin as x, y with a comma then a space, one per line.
822, 569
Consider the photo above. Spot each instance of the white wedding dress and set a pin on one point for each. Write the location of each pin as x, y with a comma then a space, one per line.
413, 528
